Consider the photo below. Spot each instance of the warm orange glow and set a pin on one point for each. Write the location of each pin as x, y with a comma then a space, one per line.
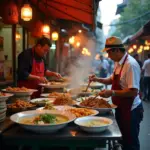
147, 42
18, 36
46, 29
78, 44
55, 36
72, 40
86, 52
141, 46
130, 50
80, 31
26, 12
139, 51
134, 46
146, 48
73, 133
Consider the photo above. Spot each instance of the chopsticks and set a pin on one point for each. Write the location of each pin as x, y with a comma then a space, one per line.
95, 96
87, 86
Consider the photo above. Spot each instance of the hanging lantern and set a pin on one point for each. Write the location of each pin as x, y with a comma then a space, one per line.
46, 30
26, 12
10, 14
55, 36
37, 29
18, 36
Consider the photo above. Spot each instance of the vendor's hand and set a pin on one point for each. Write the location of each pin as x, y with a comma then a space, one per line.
92, 78
105, 93
57, 75
42, 79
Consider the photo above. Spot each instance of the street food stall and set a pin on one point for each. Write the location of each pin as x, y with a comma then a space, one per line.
63, 115
72, 121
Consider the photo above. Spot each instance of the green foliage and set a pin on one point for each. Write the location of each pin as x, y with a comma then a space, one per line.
134, 9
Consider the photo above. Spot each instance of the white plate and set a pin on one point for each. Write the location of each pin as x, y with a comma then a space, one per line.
93, 129
39, 101
21, 93
4, 98
49, 128
54, 86
66, 108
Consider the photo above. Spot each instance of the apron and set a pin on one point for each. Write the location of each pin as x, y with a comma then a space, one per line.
124, 108
38, 70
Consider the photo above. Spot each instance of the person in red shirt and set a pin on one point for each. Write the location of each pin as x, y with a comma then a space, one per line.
32, 68
124, 92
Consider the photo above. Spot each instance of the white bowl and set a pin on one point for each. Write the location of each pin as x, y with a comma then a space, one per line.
81, 122
49, 128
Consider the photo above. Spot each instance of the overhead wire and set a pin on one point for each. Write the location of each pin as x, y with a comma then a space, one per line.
130, 20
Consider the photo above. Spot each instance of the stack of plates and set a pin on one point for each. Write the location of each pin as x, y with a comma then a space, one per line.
3, 109
3, 106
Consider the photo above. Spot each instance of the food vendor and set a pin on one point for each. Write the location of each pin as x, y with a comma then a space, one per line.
32, 66
125, 88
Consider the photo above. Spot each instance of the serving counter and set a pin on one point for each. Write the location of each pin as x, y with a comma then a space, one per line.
71, 137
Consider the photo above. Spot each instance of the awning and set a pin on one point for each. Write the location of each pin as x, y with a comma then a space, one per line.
76, 10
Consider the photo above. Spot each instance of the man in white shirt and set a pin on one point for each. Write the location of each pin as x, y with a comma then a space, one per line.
146, 82
125, 88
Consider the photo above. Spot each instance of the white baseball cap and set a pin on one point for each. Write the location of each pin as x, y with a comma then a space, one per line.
113, 42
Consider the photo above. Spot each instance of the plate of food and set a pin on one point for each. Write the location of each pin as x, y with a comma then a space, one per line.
78, 112
99, 104
54, 84
5, 96
42, 101
43, 121
93, 124
64, 99
20, 105
19, 91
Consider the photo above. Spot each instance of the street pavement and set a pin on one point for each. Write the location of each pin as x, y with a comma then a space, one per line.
145, 127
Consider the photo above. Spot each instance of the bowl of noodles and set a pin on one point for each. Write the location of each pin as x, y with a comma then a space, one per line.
43, 121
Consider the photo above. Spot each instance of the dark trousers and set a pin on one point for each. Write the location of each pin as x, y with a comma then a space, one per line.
130, 127
146, 88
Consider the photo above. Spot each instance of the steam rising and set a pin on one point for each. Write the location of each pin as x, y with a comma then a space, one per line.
80, 69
